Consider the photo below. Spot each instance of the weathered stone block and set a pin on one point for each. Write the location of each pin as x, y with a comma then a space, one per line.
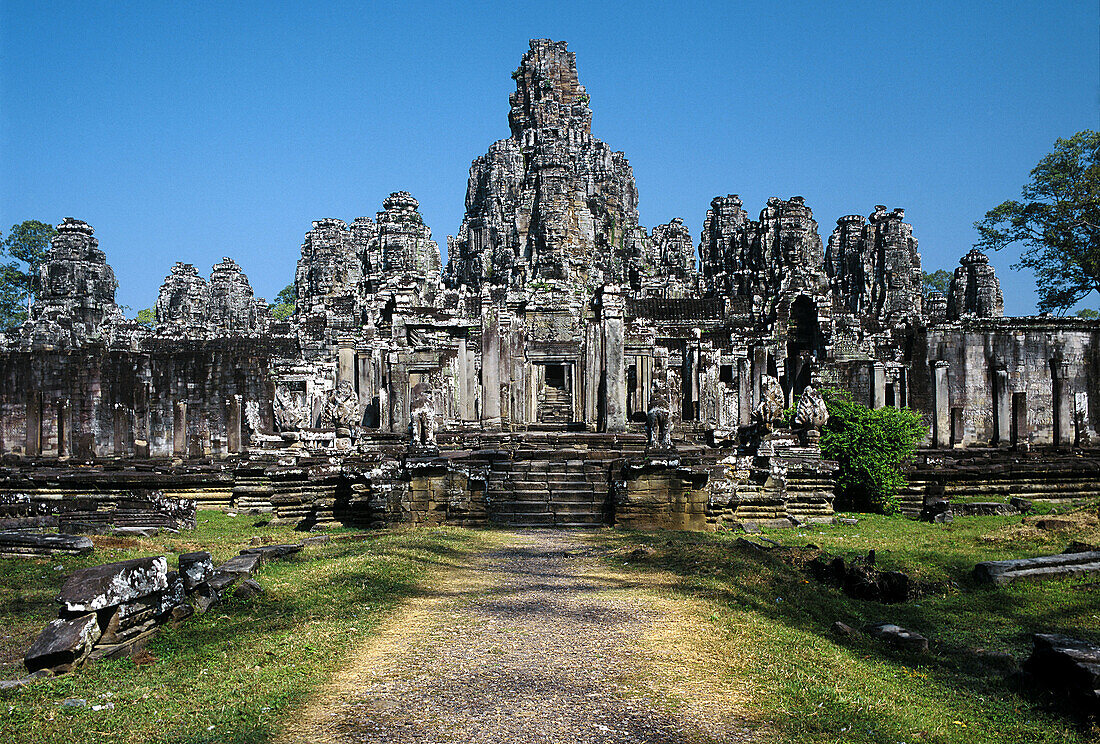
113, 583
63, 644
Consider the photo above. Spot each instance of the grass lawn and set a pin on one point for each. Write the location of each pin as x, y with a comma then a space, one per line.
810, 685
234, 674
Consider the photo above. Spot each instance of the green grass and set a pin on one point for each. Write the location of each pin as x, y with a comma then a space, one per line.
810, 685
236, 673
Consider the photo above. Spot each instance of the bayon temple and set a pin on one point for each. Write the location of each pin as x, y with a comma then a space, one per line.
566, 366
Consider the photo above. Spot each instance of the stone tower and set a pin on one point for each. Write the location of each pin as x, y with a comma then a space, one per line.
550, 203
974, 289
74, 285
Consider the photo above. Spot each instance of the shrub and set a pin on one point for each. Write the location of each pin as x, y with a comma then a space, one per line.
871, 446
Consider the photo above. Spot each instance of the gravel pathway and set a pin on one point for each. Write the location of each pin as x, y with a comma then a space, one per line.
531, 644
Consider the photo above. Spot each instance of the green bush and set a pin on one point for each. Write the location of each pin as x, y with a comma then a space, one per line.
870, 446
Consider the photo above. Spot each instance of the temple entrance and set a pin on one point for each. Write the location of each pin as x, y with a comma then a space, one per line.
803, 342
555, 395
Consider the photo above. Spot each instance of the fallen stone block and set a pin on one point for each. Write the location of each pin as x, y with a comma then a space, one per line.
1043, 567
273, 552
113, 583
30, 545
247, 589
898, 636
129, 647
195, 568
242, 564
1021, 505
843, 629
1069, 667
63, 644
984, 508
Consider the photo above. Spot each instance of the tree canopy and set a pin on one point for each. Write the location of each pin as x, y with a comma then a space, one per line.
285, 302
27, 243
936, 281
1058, 222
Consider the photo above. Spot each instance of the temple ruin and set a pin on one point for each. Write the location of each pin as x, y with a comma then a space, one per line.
515, 383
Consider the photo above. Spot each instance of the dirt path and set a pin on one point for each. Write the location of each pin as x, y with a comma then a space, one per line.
536, 642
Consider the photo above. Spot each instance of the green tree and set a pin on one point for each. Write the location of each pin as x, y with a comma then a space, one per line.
285, 302
1058, 222
871, 446
147, 317
1088, 314
27, 243
936, 281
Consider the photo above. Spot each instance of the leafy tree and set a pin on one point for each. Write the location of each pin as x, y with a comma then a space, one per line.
285, 302
1058, 221
147, 317
936, 281
1088, 314
27, 243
871, 445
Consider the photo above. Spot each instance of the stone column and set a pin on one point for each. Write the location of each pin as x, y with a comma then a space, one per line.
744, 392
611, 318
345, 363
941, 406
593, 372
464, 402
1002, 407
233, 424
1062, 404
64, 428
364, 384
399, 395
33, 445
878, 385
179, 430
490, 364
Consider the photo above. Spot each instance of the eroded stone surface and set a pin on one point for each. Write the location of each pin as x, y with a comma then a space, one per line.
97, 587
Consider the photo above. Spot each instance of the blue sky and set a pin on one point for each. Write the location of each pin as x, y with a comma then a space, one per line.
188, 131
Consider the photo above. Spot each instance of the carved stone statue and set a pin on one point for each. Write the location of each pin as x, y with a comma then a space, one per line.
345, 406
289, 416
811, 413
658, 420
770, 409
422, 416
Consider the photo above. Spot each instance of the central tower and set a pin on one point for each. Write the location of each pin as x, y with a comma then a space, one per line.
551, 203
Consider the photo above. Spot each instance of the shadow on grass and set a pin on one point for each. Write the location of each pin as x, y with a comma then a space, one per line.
737, 577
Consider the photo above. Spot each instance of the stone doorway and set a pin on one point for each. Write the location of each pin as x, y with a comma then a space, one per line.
555, 394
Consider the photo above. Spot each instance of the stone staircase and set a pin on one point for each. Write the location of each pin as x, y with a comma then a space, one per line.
549, 489
556, 406
1047, 475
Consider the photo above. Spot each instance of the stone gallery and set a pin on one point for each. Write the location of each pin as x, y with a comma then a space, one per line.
567, 366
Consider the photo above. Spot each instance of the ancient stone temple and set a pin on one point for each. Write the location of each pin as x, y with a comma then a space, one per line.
566, 366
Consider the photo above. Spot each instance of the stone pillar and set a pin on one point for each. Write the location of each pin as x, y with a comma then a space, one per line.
345, 363
759, 367
179, 430
744, 392
878, 385
364, 384
1020, 433
233, 424
941, 406
1002, 407
463, 390
64, 428
1062, 404
33, 445
593, 372
490, 364
611, 318
399, 395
